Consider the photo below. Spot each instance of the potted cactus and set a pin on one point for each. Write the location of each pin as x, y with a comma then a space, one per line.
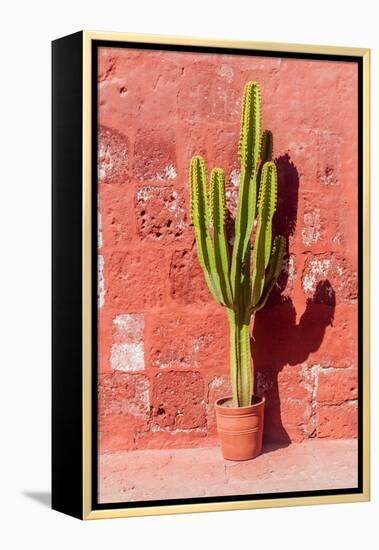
240, 279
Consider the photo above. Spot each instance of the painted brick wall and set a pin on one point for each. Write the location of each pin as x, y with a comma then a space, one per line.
163, 343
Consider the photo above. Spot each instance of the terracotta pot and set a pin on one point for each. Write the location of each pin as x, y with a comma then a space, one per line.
240, 428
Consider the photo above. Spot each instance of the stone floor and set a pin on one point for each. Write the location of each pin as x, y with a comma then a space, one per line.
165, 474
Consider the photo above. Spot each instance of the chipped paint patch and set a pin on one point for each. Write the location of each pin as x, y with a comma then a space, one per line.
168, 173
139, 405
327, 176
106, 162
216, 382
289, 267
124, 395
311, 380
339, 269
160, 213
112, 156
231, 197
339, 274
201, 342
143, 404
235, 176
317, 267
127, 353
129, 327
127, 357
226, 72
311, 233
100, 281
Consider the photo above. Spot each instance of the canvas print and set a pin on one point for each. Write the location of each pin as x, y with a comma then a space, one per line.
227, 320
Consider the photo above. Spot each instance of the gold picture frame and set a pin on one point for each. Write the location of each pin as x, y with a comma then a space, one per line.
81, 467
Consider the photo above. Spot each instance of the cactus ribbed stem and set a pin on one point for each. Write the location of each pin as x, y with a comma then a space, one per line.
240, 360
245, 379
200, 220
243, 227
233, 356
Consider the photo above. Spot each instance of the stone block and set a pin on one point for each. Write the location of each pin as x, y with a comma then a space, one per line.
137, 278
178, 401
113, 153
332, 268
123, 394
187, 283
337, 385
127, 353
155, 155
193, 340
160, 213
337, 421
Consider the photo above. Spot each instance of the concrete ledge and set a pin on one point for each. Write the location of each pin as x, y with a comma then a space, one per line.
185, 473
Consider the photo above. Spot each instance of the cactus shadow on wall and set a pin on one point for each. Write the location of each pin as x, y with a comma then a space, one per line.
277, 339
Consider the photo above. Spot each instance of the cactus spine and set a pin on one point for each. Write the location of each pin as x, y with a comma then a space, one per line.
240, 285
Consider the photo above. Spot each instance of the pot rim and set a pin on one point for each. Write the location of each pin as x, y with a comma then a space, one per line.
253, 406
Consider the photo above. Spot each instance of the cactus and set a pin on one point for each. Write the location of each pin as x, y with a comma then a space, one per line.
236, 281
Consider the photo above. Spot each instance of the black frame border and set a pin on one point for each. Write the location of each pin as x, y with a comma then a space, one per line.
95, 45
67, 254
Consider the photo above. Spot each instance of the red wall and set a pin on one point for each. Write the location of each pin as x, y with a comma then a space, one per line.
163, 343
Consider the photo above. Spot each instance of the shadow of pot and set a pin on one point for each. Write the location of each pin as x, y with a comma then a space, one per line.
240, 429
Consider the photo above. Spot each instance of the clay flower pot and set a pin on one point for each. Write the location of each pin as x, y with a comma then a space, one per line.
240, 428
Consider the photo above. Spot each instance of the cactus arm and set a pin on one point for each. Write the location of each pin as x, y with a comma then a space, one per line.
275, 268
218, 216
200, 220
262, 245
267, 144
250, 134
249, 150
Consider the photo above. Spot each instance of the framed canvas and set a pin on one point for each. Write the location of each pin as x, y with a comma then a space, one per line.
210, 275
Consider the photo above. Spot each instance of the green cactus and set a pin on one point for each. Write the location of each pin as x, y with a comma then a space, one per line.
235, 281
